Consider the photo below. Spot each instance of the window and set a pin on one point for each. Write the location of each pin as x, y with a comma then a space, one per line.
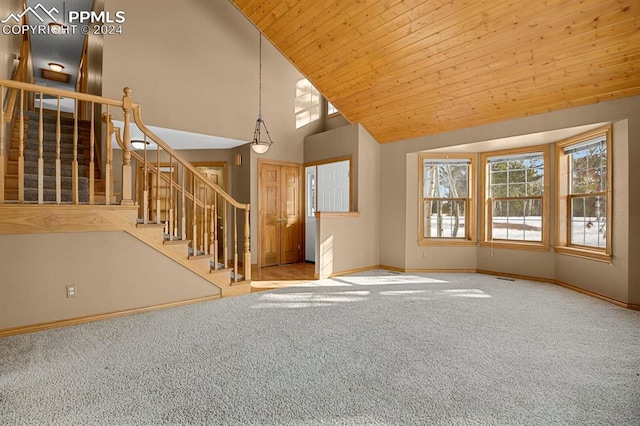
446, 210
516, 205
584, 195
331, 110
307, 103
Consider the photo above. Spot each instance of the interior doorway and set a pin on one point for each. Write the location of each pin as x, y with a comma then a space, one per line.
328, 189
279, 211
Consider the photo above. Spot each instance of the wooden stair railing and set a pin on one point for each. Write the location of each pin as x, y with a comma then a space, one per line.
50, 158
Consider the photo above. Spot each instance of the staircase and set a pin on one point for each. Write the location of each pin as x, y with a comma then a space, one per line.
53, 182
31, 156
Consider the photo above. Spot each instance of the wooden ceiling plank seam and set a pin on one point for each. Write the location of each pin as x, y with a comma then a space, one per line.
262, 8
402, 133
512, 75
496, 99
441, 76
542, 83
598, 79
465, 111
404, 62
356, 31
431, 26
288, 28
272, 19
334, 17
409, 62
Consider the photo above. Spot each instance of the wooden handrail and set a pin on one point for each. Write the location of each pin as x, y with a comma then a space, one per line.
156, 139
34, 88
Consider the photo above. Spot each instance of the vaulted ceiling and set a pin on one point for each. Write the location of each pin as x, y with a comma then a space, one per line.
408, 68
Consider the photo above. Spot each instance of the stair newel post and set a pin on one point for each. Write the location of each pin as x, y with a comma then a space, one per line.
127, 107
246, 252
74, 164
214, 229
2, 172
145, 186
235, 244
58, 162
21, 151
92, 171
194, 224
41, 154
225, 239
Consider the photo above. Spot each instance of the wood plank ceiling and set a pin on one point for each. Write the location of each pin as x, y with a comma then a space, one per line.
408, 68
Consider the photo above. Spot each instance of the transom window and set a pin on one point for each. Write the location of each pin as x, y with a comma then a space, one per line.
446, 208
515, 200
584, 187
307, 103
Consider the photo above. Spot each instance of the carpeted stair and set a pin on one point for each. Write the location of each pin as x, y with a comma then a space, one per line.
31, 155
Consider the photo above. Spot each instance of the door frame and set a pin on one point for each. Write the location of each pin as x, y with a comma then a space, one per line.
301, 179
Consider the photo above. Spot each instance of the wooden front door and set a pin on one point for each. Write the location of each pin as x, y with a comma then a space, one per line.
280, 217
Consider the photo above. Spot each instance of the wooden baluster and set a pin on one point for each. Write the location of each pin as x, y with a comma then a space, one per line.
184, 205
21, 151
145, 186
58, 161
2, 172
205, 221
92, 170
40, 154
194, 224
175, 204
127, 107
247, 249
157, 192
235, 244
170, 201
225, 239
109, 153
215, 231
74, 164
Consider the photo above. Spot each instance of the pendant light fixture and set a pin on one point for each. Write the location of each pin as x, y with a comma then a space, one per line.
258, 145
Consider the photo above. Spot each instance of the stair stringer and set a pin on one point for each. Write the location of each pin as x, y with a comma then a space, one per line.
153, 237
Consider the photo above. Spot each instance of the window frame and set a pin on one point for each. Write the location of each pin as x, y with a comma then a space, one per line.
486, 211
312, 107
564, 197
470, 237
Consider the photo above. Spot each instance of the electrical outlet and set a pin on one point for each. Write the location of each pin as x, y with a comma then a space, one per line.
71, 291
424, 253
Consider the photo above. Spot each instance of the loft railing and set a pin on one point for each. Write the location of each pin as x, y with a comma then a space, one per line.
51, 158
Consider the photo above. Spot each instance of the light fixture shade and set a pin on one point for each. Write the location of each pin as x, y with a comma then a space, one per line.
258, 145
138, 144
55, 66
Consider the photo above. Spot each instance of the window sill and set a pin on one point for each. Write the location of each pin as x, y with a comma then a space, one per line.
336, 214
515, 245
585, 254
440, 242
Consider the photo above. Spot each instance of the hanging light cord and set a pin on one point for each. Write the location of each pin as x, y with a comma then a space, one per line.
260, 79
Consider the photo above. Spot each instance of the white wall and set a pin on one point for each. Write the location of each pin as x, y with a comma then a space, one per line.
112, 272
9, 44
